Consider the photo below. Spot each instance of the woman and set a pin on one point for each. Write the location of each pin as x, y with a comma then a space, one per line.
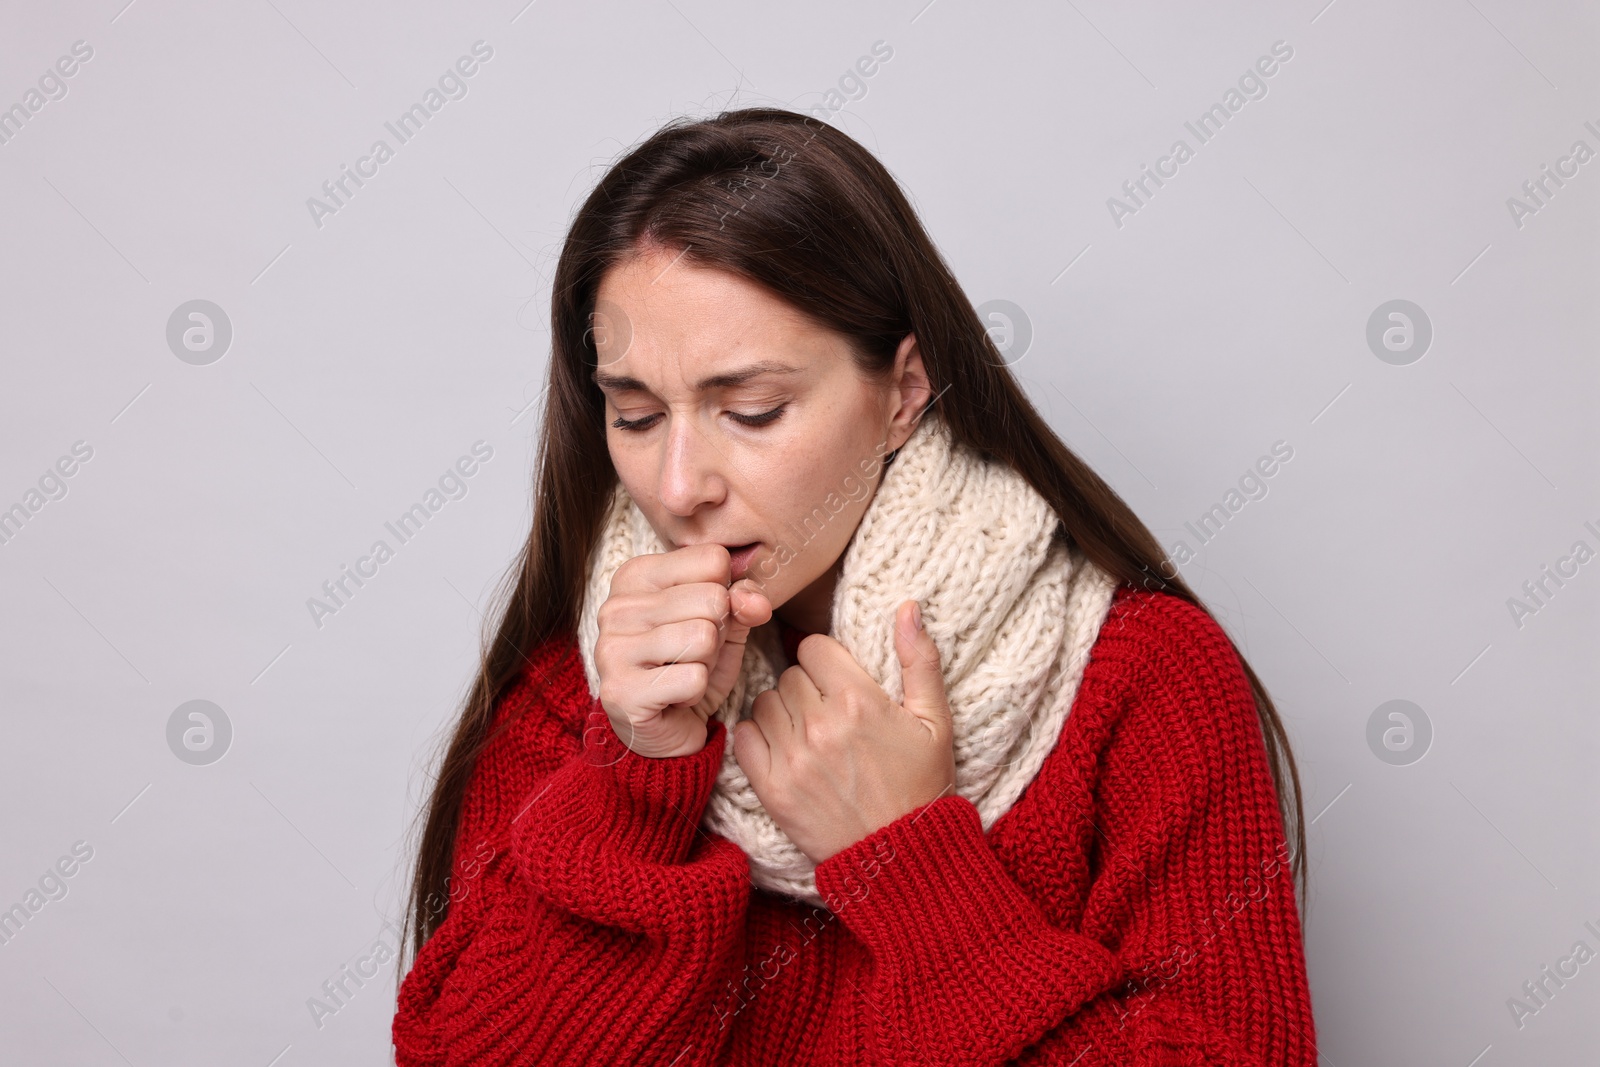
839, 714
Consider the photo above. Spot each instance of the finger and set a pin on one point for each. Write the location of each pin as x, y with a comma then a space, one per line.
729, 659
921, 676
771, 713
800, 696
752, 752
829, 666
688, 641
642, 612
654, 571
749, 604
675, 683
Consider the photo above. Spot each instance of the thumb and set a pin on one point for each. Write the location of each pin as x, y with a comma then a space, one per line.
748, 607
920, 673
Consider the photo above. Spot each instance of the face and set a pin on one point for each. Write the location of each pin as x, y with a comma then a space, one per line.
731, 418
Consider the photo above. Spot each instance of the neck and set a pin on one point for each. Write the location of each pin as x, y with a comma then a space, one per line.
811, 610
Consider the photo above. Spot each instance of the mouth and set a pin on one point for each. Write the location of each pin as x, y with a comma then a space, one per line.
741, 555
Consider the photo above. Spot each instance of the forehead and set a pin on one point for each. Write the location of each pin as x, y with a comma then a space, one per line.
658, 311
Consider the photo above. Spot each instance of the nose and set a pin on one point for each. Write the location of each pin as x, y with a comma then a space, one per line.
691, 469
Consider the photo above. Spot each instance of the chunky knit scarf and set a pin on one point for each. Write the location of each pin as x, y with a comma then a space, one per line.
1013, 609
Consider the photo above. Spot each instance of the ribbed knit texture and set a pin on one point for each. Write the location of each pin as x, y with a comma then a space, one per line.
1134, 908
1012, 607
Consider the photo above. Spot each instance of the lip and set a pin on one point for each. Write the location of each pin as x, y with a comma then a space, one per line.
741, 559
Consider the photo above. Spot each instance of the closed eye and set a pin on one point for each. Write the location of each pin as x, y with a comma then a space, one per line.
763, 419
766, 418
635, 424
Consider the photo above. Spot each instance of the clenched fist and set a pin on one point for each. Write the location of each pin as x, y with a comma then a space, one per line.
671, 643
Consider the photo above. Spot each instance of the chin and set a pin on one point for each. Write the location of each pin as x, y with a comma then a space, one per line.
778, 589
773, 591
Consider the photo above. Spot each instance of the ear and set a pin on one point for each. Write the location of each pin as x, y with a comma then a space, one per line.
909, 391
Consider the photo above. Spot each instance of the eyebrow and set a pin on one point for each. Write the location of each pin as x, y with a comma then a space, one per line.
623, 383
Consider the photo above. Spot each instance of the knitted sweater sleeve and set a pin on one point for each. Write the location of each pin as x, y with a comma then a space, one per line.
1174, 940
602, 924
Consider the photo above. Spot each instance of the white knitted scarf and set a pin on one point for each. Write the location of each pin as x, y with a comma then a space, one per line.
1013, 609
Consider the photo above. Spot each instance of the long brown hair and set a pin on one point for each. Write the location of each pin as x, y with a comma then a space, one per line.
794, 205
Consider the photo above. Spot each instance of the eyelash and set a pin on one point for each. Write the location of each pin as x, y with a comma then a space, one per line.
766, 418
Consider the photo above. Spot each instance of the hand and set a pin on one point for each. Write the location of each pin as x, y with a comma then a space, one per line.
671, 642
832, 758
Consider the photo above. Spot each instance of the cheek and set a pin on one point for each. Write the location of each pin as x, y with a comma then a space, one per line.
818, 503
632, 470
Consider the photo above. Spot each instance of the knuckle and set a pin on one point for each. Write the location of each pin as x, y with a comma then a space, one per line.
825, 736
681, 674
700, 673
792, 681
713, 557
704, 638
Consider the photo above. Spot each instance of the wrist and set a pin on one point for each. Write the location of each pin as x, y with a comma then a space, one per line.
608, 737
650, 805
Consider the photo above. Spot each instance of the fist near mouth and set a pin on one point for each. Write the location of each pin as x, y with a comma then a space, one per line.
671, 643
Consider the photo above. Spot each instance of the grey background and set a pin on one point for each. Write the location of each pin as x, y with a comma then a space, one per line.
1229, 313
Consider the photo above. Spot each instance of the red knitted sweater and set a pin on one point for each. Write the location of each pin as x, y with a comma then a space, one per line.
1134, 907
